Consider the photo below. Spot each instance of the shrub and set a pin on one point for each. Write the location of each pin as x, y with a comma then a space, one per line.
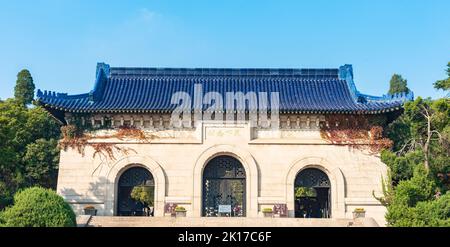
418, 188
400, 215
435, 212
402, 167
143, 194
427, 213
1, 219
414, 203
6, 196
180, 209
39, 207
305, 192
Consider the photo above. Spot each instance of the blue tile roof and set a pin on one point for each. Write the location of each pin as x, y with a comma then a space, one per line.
151, 89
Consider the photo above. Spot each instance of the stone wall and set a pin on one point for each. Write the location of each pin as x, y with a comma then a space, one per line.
272, 159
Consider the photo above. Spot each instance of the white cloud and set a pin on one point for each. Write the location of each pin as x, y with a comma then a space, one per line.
146, 15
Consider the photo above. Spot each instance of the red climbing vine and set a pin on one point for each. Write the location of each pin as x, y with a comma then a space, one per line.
76, 138
358, 131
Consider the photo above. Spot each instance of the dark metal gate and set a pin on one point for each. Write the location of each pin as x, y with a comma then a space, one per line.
132, 177
224, 185
314, 198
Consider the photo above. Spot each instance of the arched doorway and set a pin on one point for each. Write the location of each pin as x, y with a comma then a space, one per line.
312, 194
134, 176
224, 186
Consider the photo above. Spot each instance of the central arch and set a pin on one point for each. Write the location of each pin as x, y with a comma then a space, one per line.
251, 176
224, 185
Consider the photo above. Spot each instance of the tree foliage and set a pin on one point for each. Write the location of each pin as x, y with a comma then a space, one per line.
418, 188
398, 85
420, 135
28, 148
41, 162
414, 203
418, 192
143, 194
304, 192
444, 84
38, 207
401, 167
24, 89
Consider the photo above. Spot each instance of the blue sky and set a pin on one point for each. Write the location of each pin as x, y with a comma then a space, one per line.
60, 41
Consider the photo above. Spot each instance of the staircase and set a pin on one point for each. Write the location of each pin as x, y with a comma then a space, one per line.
114, 221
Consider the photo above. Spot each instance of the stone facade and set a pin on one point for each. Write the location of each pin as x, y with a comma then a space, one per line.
271, 158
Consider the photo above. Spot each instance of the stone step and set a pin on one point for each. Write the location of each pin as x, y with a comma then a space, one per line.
109, 221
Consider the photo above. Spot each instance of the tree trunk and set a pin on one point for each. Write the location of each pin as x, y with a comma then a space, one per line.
426, 164
427, 143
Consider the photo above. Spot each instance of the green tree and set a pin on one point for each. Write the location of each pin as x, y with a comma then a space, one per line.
398, 85
431, 213
424, 127
41, 162
28, 148
38, 207
418, 190
444, 84
143, 194
24, 89
414, 203
434, 212
401, 166
6, 195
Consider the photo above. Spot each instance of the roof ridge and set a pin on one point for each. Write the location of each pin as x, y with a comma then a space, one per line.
166, 71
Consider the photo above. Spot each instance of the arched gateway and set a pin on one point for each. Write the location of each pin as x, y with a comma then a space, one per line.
180, 158
312, 194
134, 176
224, 185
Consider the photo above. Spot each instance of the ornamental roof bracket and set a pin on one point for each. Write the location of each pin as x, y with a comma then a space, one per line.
39, 94
346, 74
102, 75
